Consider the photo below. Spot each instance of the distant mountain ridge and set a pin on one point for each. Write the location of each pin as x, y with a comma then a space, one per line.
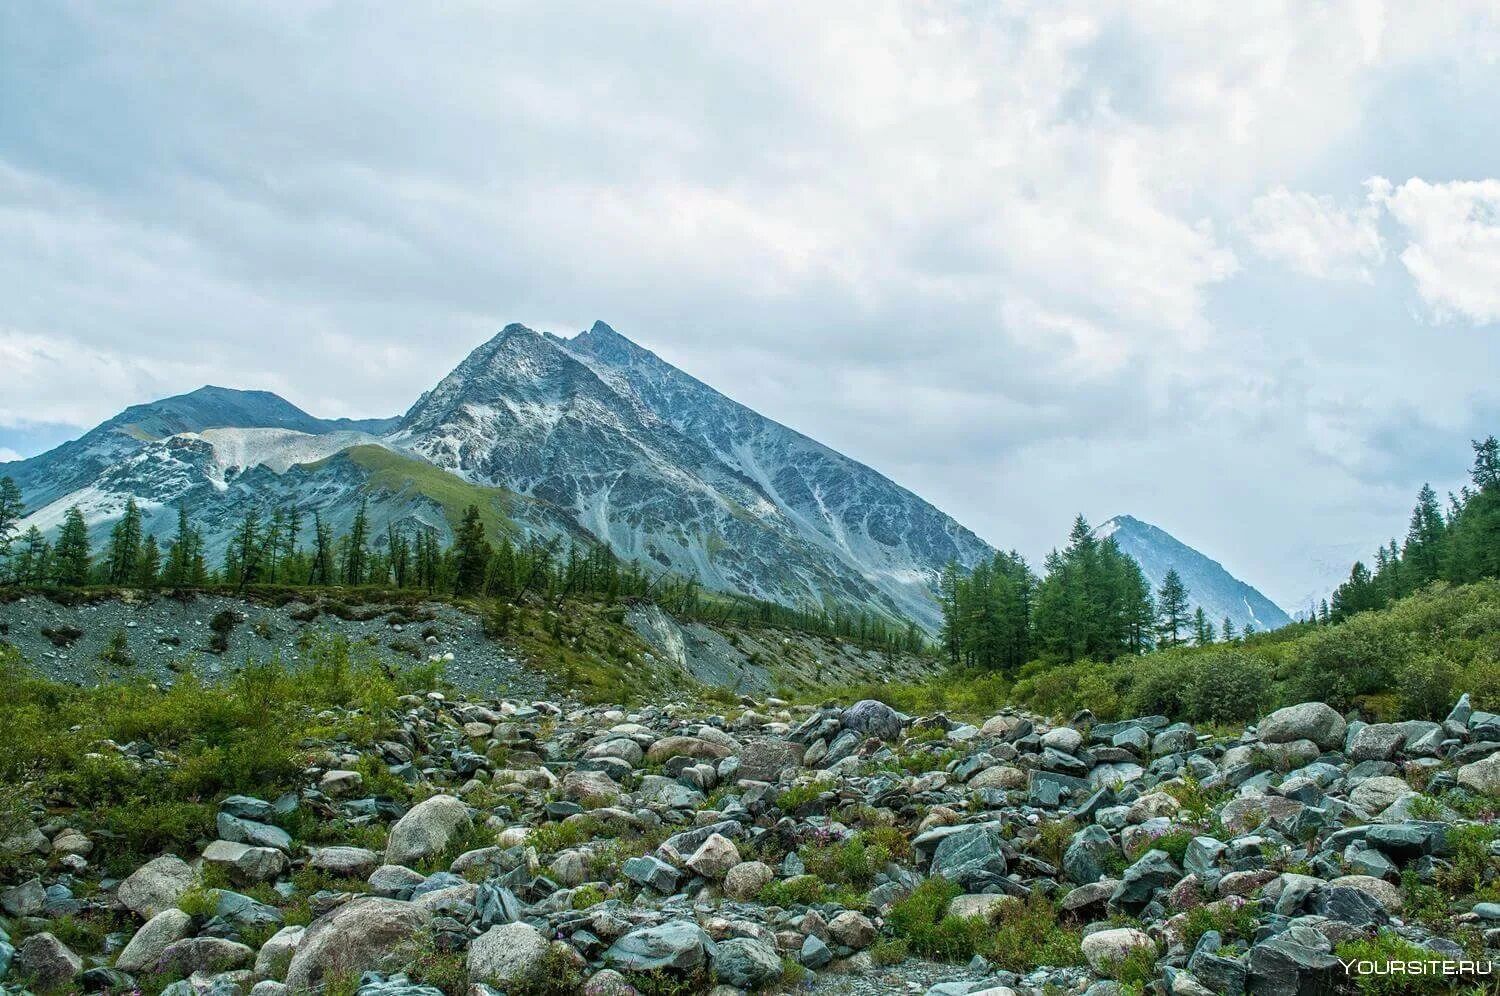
586, 438
1221, 594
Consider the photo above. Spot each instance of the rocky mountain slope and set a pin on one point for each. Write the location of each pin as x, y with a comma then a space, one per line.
539, 847
592, 438
1221, 594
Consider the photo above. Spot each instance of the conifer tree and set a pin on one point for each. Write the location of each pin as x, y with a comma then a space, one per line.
12, 510
1171, 609
125, 546
322, 571
148, 568
33, 564
356, 552
472, 552
1227, 628
71, 554
1203, 628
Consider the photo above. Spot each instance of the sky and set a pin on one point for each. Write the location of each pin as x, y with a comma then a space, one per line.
1232, 269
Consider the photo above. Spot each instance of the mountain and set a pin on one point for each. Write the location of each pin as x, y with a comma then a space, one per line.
77, 463
592, 438
668, 471
1220, 593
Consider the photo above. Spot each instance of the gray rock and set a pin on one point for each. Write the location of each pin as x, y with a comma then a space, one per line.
765, 759
507, 955
1482, 776
873, 718
345, 862
26, 899
1155, 870
746, 963
651, 871
675, 944
1295, 961
361, 935
243, 831
204, 954
972, 858
814, 954
155, 886
143, 953
426, 830
275, 956
245, 862
1315, 721
1087, 854
47, 962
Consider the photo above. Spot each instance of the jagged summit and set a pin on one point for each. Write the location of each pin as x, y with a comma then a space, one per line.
593, 436
1221, 594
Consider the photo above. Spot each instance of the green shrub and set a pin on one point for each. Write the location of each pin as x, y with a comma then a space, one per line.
1387, 947
1224, 686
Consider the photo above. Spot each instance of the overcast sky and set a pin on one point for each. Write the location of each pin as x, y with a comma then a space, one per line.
1234, 269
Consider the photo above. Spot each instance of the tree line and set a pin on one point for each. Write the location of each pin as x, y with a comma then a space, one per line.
1091, 603
282, 546
1459, 544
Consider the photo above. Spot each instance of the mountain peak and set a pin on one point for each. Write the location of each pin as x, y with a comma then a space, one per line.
1220, 593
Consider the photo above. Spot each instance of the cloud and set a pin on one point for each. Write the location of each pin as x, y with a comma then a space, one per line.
1453, 244
1314, 236
993, 251
7, 454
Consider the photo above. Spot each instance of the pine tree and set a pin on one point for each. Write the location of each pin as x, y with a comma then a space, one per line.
148, 568
12, 510
322, 572
33, 565
400, 555
122, 561
71, 554
357, 552
1203, 629
1423, 554
473, 554
1227, 628
1171, 609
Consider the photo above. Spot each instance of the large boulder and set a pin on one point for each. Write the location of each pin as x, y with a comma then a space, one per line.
746, 963
1373, 795
1482, 776
714, 857
508, 955
361, 935
676, 944
274, 956
972, 858
204, 954
873, 718
696, 748
143, 952
243, 831
155, 886
1315, 721
1106, 949
427, 830
245, 862
47, 962
590, 787
765, 759
746, 879
343, 861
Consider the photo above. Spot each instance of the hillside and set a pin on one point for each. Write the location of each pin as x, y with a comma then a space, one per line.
1220, 594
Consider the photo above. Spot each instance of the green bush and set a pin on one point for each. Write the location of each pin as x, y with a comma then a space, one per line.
1226, 686
1387, 947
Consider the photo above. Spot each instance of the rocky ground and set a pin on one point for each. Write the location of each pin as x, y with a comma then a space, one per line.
88, 639
540, 847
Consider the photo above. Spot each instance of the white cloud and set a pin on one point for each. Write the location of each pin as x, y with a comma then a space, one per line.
7, 454
1315, 236
1453, 244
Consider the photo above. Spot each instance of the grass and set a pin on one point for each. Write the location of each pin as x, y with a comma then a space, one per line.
239, 736
1022, 934
395, 474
